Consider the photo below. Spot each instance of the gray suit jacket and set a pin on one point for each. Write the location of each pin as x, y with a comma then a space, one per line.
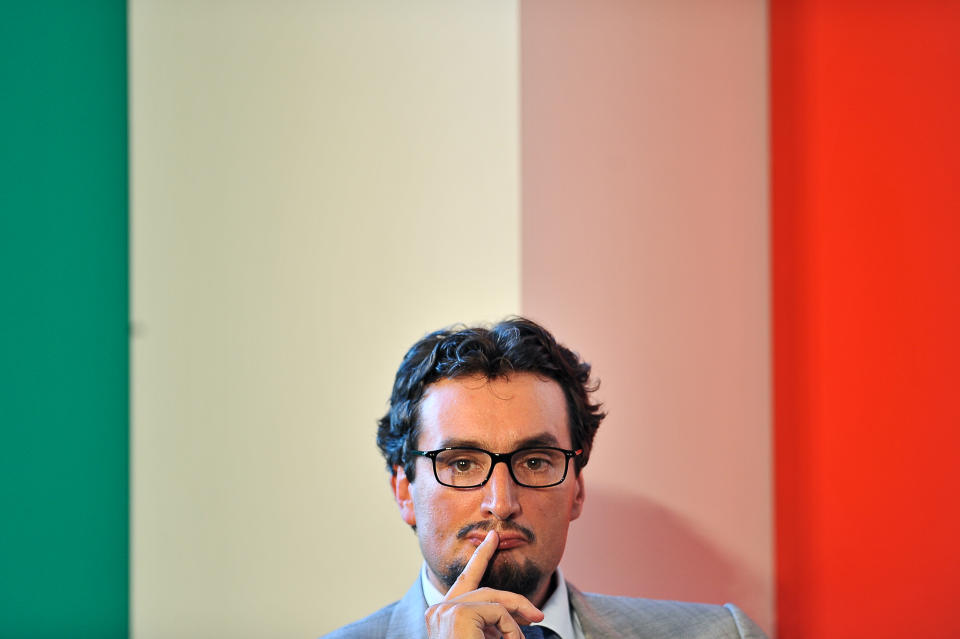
601, 617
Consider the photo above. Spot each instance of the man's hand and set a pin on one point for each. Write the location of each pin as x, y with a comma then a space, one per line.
471, 613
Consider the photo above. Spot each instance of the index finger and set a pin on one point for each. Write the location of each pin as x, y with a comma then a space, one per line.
472, 573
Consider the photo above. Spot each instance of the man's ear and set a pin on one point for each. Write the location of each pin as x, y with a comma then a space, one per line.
401, 492
578, 497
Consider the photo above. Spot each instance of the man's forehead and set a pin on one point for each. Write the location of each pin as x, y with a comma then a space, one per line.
522, 409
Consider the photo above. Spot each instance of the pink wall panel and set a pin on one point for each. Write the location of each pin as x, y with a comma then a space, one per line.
645, 245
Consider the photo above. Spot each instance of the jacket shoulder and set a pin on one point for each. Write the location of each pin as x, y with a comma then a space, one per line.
627, 616
400, 620
370, 627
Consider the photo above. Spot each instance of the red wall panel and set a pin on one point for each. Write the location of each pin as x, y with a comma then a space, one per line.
866, 227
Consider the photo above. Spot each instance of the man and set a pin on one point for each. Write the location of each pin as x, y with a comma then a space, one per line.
487, 433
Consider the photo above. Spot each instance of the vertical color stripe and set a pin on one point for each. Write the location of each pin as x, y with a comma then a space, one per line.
63, 350
867, 274
645, 245
315, 186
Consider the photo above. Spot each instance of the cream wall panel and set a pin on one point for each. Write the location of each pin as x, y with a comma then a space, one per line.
314, 186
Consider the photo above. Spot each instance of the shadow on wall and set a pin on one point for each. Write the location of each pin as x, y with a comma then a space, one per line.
626, 544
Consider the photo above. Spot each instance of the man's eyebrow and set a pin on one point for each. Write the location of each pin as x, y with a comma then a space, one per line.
542, 439
455, 442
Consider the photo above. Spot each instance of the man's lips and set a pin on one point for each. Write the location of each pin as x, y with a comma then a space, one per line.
507, 540
510, 535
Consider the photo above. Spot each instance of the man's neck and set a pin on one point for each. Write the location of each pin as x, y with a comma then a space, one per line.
544, 591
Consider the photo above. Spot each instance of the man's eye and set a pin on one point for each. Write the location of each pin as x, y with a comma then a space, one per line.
536, 463
462, 465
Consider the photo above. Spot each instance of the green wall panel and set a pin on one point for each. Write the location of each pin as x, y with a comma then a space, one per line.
64, 487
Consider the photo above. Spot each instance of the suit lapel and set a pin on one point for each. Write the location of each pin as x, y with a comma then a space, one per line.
592, 622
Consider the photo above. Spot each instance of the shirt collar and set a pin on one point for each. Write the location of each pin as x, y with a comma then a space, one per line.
557, 615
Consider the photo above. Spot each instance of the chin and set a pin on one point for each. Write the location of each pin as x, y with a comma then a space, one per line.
516, 574
521, 576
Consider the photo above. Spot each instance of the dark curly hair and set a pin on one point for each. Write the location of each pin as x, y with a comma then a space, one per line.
514, 345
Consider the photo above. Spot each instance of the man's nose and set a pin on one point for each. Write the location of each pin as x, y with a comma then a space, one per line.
500, 494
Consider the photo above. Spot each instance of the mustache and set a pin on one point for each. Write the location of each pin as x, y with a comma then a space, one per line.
505, 526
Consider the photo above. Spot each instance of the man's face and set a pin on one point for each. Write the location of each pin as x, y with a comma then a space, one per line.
500, 416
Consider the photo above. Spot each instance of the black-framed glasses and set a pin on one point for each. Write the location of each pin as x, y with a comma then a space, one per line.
467, 467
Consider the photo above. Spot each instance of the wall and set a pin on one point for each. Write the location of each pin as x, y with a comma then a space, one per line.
314, 187
645, 245
866, 274
281, 246
280, 242
63, 347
